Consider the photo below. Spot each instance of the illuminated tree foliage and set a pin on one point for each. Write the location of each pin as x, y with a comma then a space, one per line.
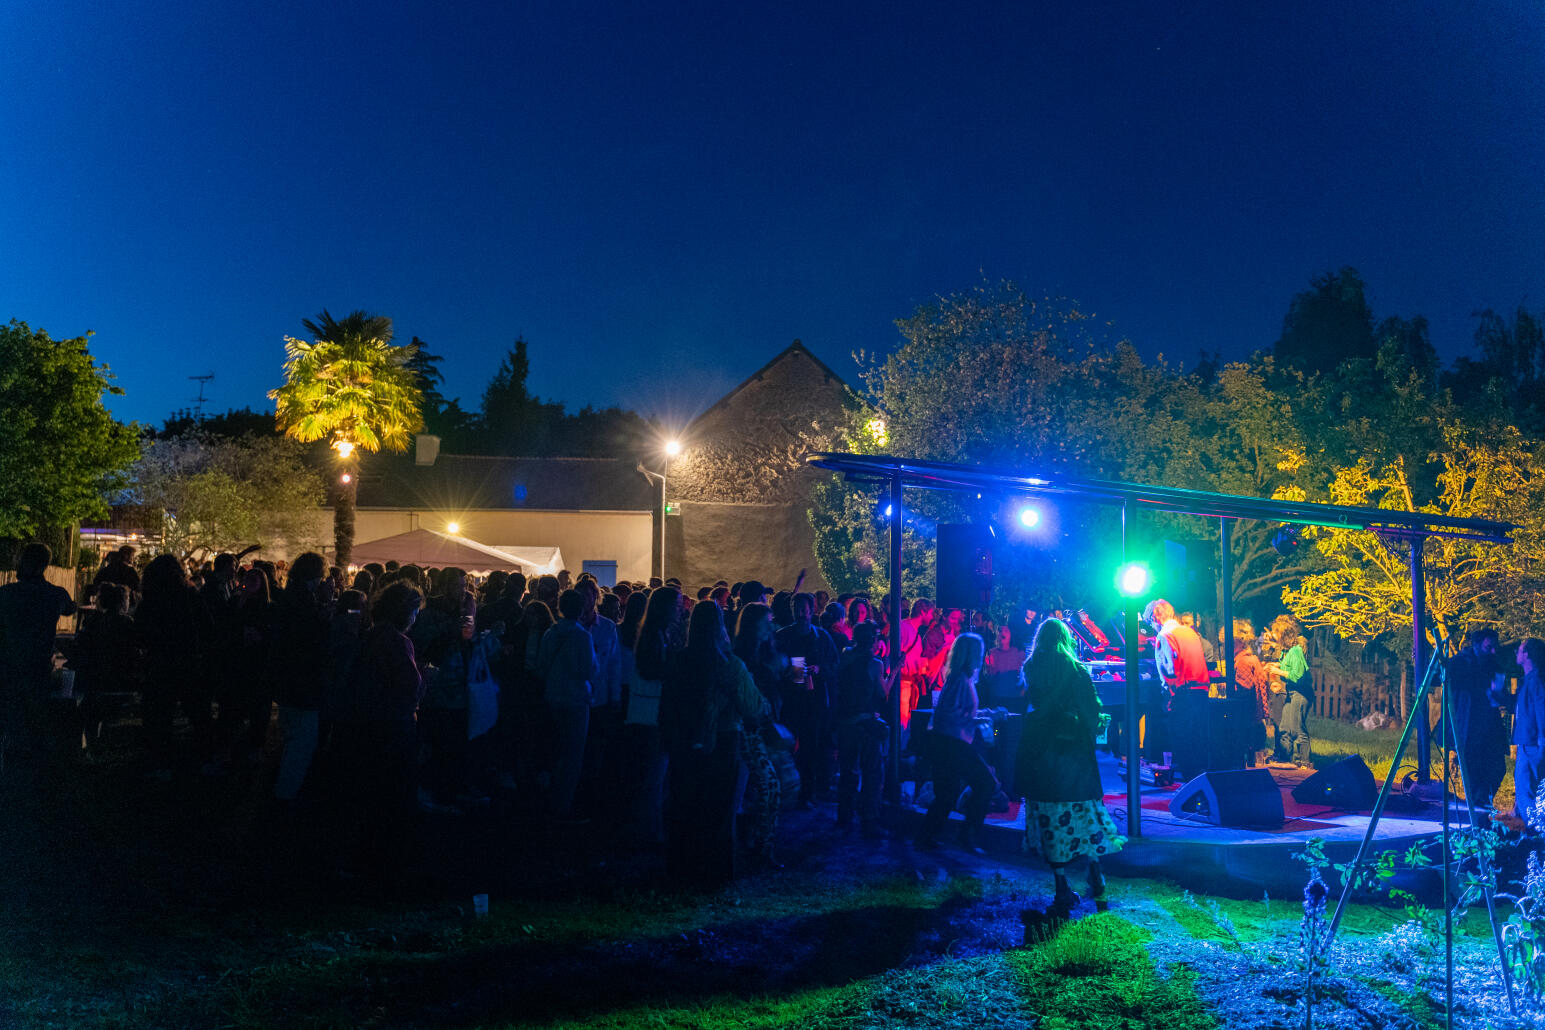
1364, 593
210, 494
63, 452
352, 386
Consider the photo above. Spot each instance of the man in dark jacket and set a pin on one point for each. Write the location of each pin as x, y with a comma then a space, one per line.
30, 609
808, 692
1475, 689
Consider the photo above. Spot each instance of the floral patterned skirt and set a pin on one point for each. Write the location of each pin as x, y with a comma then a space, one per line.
1063, 830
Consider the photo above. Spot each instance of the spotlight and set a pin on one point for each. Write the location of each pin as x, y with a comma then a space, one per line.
346, 478
1029, 517
888, 510
1132, 579
672, 448
1286, 541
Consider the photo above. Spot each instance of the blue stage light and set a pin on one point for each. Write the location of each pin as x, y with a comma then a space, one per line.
1029, 517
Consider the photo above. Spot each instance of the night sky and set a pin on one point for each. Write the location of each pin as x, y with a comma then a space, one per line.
659, 198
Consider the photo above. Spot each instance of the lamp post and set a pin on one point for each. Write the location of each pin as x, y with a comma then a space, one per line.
672, 448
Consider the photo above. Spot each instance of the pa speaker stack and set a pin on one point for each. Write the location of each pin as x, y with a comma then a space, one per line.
1346, 786
964, 567
1235, 797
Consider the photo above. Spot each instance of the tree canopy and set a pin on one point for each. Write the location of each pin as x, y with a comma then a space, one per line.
64, 453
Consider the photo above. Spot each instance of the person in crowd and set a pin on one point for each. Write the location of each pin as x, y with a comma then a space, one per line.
119, 568
938, 640
30, 610
302, 614
547, 591
1182, 667
1529, 729
834, 622
174, 632
1003, 682
599, 780
1290, 676
645, 784
246, 704
532, 732
568, 666
1252, 696
754, 646
708, 696
565, 579
442, 639
914, 664
807, 694
610, 607
378, 736
860, 610
783, 609
951, 752
627, 634
106, 658
1474, 683
861, 731
1056, 773
1191, 622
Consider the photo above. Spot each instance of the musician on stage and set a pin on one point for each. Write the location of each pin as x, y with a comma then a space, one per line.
1177, 652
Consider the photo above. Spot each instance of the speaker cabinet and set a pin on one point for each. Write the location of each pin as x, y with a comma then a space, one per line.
1346, 786
964, 567
1238, 797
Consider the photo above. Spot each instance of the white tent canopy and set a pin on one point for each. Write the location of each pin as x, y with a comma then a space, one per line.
546, 561
429, 548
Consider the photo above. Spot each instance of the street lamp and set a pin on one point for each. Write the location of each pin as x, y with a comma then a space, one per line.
672, 448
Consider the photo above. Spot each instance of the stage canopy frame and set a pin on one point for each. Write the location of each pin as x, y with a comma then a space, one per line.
898, 474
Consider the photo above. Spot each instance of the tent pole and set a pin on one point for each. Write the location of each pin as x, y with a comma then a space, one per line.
893, 774
1133, 677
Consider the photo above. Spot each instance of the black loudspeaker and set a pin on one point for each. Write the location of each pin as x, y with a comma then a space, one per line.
964, 567
1346, 786
1238, 797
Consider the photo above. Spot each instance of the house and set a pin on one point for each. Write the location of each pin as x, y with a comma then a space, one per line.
738, 493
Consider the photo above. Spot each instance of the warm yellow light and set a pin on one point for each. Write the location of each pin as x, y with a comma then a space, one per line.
343, 447
876, 427
453, 527
346, 478
672, 448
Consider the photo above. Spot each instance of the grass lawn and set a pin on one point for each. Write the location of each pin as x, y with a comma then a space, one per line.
1333, 741
136, 904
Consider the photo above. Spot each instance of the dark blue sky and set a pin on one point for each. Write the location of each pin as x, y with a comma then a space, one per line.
660, 197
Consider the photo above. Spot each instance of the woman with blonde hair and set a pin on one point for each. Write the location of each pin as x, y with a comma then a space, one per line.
1056, 773
955, 761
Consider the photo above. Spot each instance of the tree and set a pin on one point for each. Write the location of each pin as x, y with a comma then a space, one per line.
233, 424
514, 422
1327, 324
210, 493
1364, 593
1505, 384
352, 386
63, 452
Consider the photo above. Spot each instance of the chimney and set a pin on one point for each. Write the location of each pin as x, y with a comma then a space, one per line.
426, 449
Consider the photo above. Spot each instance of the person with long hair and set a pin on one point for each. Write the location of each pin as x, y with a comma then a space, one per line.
708, 696
764, 790
860, 731
302, 615
652, 642
1056, 773
174, 630
950, 749
1252, 695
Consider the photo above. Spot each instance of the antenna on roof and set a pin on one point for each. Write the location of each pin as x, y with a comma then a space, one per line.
198, 402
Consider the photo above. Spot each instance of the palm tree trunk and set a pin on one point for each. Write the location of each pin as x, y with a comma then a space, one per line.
343, 514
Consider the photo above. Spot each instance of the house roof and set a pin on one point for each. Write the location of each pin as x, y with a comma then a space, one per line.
469, 482
795, 349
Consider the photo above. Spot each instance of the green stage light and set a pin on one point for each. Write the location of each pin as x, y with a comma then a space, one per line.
1133, 579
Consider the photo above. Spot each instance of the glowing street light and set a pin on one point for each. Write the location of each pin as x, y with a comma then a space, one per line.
343, 447
672, 448
453, 528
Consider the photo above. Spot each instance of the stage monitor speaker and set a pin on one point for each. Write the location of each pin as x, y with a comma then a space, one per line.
1237, 797
964, 567
1346, 786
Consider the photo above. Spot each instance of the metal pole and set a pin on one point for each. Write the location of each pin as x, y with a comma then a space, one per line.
1226, 566
893, 774
663, 470
1134, 727
1418, 656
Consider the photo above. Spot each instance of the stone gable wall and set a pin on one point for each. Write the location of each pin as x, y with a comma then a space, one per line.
751, 449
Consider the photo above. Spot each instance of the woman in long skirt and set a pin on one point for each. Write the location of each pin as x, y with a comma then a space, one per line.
1056, 774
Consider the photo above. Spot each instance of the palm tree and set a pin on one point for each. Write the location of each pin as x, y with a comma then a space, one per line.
351, 385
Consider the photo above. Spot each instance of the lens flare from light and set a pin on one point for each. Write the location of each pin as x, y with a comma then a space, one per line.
1132, 579
453, 528
1029, 517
